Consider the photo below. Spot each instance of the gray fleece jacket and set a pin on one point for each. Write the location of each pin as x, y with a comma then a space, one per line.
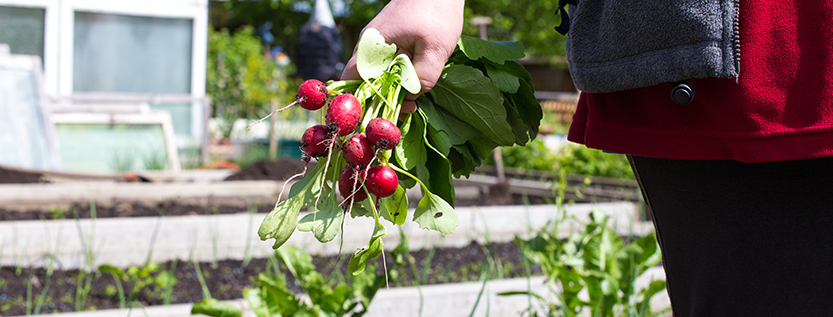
617, 45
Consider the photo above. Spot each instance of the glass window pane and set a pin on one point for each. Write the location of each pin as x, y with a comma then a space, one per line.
112, 147
22, 133
180, 116
23, 29
130, 54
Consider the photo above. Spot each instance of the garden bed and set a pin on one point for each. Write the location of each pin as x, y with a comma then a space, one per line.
226, 279
213, 223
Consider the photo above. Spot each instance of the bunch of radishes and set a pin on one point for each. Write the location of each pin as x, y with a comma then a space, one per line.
359, 149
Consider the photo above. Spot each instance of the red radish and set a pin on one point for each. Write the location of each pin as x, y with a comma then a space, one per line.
383, 134
348, 184
357, 151
345, 112
312, 94
315, 141
381, 181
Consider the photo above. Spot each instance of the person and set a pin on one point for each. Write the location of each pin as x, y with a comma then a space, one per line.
724, 109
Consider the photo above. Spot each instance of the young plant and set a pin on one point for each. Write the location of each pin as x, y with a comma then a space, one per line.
86, 273
596, 261
269, 296
139, 278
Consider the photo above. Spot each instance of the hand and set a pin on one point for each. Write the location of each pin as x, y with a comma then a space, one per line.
426, 30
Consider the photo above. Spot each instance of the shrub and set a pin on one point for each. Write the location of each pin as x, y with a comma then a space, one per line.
572, 158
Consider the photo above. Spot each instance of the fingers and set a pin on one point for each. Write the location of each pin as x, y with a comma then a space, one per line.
350, 71
429, 62
408, 106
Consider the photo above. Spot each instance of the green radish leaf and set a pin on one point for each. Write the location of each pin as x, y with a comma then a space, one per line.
423, 172
373, 249
361, 209
107, 268
504, 81
381, 87
310, 185
462, 161
529, 109
482, 147
434, 213
407, 74
457, 130
498, 52
395, 207
438, 139
519, 128
326, 222
411, 149
469, 95
440, 183
215, 308
281, 222
373, 55
406, 182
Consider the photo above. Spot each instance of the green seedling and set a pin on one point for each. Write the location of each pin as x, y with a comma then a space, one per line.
596, 261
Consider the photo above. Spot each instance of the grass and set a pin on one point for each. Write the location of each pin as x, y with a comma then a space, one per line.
122, 161
85, 275
155, 161
247, 253
51, 258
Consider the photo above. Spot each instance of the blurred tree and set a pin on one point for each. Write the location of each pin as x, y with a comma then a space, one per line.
239, 79
529, 21
287, 16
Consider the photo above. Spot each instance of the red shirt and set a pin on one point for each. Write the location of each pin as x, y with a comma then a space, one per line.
779, 108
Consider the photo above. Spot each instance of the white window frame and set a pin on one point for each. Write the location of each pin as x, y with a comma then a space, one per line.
50, 40
196, 10
59, 44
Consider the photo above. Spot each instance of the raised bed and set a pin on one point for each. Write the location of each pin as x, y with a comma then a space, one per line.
123, 242
209, 222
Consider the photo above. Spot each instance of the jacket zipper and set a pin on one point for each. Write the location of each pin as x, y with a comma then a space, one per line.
736, 35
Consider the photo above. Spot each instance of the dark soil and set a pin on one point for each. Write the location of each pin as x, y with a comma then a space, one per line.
9, 176
130, 209
278, 170
180, 208
227, 279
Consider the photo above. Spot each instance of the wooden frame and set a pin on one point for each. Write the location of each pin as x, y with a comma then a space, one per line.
162, 118
59, 37
32, 64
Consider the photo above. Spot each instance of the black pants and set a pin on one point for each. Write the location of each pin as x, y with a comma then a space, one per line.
743, 239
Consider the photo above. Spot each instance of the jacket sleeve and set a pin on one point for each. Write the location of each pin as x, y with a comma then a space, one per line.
615, 45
